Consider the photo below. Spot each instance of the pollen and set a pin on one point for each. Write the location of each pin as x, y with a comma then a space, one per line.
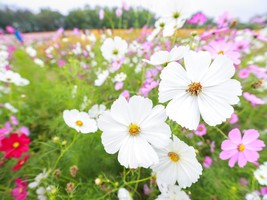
241, 147
174, 156
221, 53
16, 144
194, 88
134, 129
79, 123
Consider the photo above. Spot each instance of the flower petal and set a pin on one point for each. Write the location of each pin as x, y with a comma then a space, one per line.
242, 161
213, 110
235, 136
251, 156
227, 91
221, 70
174, 81
250, 136
136, 152
197, 64
184, 110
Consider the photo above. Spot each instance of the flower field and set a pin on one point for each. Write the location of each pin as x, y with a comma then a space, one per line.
154, 113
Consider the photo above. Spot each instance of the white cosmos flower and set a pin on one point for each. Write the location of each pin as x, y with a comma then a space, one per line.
101, 77
96, 111
10, 107
31, 51
159, 26
261, 174
165, 57
80, 121
176, 15
253, 196
171, 192
114, 49
133, 128
39, 62
177, 162
9, 76
124, 194
201, 88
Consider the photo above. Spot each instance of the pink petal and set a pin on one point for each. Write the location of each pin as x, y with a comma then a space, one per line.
228, 145
256, 145
249, 136
242, 161
251, 156
235, 136
233, 160
224, 155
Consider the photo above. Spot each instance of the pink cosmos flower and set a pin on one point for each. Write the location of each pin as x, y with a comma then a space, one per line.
198, 18
14, 120
243, 73
126, 94
241, 149
207, 162
223, 48
254, 100
201, 130
224, 20
233, 119
10, 29
101, 14
20, 192
118, 12
118, 85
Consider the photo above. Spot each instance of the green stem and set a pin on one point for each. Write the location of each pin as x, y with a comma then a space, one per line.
64, 151
220, 131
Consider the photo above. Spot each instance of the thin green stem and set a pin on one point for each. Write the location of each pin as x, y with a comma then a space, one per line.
64, 151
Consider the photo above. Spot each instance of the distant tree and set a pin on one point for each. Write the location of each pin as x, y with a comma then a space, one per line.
49, 20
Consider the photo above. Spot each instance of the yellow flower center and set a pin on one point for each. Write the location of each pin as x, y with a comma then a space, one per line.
176, 15
241, 147
194, 88
20, 190
134, 129
221, 53
16, 144
115, 52
21, 162
173, 156
79, 123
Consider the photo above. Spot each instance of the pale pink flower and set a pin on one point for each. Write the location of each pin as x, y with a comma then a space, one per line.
118, 85
118, 12
201, 130
254, 100
243, 73
224, 20
101, 14
126, 94
223, 48
10, 29
207, 162
241, 149
233, 119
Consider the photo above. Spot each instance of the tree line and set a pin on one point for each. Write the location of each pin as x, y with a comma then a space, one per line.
86, 18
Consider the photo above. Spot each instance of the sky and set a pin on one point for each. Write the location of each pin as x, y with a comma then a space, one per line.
242, 9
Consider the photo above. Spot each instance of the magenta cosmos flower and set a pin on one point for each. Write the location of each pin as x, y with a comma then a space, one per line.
223, 48
241, 150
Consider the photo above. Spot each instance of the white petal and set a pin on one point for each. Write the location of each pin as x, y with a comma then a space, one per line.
139, 108
174, 81
197, 64
228, 91
158, 58
214, 110
178, 53
137, 152
184, 110
113, 140
221, 70
120, 111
